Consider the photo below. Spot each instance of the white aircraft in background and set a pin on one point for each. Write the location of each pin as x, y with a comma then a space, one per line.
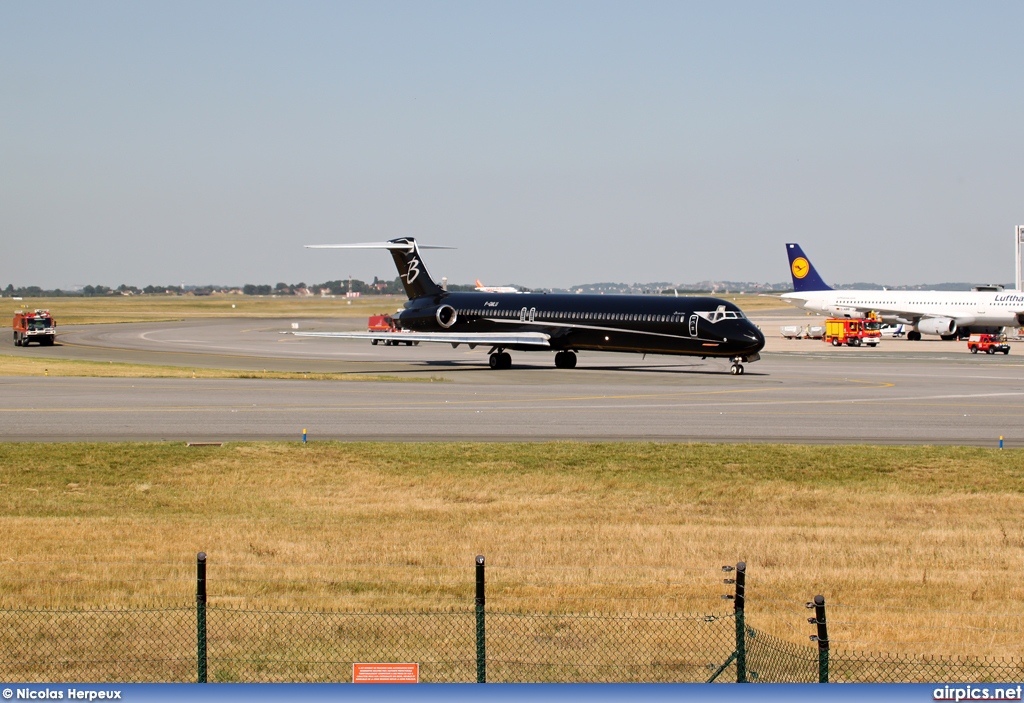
949, 314
495, 289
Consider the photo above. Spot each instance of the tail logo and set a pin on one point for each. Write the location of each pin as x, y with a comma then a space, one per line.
414, 270
800, 267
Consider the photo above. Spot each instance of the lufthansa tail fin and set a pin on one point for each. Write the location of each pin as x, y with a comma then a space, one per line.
406, 253
805, 278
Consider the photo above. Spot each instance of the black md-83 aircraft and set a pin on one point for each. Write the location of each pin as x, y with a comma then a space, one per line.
564, 324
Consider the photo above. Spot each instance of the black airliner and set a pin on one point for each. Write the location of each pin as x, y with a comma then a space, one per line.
564, 324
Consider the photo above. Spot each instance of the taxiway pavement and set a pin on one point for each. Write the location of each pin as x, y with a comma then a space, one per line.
801, 391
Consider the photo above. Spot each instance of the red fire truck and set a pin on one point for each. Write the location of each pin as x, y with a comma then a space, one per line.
37, 326
854, 333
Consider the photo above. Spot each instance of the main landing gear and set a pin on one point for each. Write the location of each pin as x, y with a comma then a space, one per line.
500, 360
503, 360
565, 360
737, 367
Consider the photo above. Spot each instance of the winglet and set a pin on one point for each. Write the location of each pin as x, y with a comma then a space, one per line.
805, 278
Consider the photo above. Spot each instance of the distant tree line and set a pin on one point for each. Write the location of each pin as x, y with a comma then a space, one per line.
339, 287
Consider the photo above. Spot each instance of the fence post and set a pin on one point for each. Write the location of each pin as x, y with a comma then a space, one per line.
739, 601
201, 617
481, 630
821, 637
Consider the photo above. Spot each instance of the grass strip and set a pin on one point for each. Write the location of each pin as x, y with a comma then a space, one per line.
22, 366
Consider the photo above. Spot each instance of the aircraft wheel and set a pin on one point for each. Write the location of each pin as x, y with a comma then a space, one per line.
565, 360
373, 342
500, 360
408, 344
914, 336
735, 369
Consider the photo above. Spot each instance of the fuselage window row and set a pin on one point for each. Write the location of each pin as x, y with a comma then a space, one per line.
611, 317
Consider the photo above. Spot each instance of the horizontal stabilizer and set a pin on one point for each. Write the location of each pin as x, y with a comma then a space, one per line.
399, 246
533, 339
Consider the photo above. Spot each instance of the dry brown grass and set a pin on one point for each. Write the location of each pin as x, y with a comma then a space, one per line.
916, 549
25, 366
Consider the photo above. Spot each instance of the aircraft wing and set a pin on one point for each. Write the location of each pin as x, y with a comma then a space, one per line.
535, 339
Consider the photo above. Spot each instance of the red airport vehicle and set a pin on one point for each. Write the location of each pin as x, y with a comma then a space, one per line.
386, 325
37, 326
988, 343
853, 333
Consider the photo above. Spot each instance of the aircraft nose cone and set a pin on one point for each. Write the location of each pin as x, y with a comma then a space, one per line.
754, 337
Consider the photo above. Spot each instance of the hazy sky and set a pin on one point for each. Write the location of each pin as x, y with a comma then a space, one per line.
552, 142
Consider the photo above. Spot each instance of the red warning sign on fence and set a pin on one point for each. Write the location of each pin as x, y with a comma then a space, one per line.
385, 673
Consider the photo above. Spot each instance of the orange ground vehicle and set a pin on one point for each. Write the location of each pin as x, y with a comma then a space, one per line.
35, 326
988, 343
390, 332
380, 323
853, 333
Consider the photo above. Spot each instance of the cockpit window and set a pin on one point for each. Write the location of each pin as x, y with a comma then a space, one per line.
721, 314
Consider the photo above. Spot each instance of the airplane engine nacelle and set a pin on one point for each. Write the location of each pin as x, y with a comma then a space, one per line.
429, 318
849, 313
937, 325
445, 316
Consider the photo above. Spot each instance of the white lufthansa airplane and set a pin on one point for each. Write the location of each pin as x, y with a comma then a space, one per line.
949, 314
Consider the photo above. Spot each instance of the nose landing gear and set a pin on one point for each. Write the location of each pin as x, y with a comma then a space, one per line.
737, 367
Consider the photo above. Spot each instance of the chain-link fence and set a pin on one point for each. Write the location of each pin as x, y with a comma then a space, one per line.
210, 642
162, 645
98, 645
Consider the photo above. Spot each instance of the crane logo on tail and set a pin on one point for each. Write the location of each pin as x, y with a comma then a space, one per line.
800, 267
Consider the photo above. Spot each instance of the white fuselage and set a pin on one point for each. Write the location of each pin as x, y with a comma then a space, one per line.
981, 308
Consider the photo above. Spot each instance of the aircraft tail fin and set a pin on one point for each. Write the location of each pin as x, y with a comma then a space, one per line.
406, 253
805, 278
